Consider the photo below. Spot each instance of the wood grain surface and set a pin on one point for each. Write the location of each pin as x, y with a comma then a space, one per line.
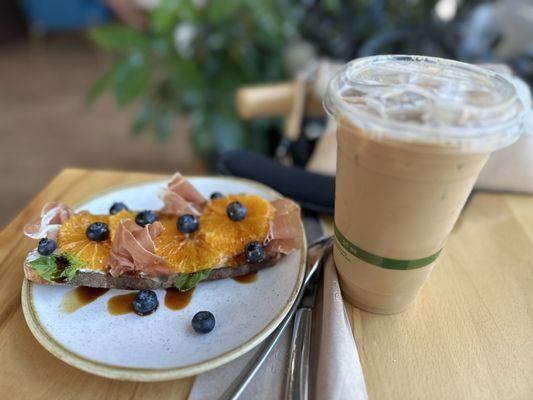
27, 370
468, 336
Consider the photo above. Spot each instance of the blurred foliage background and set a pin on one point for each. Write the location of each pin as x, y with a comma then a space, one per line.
189, 61
173, 67
193, 54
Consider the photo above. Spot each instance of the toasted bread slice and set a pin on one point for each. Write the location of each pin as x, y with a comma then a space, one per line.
151, 250
103, 280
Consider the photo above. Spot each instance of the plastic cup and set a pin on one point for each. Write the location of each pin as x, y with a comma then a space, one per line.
413, 134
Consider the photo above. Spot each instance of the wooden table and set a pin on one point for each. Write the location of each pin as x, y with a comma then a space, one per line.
469, 335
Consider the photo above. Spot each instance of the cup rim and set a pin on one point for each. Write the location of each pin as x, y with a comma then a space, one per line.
482, 138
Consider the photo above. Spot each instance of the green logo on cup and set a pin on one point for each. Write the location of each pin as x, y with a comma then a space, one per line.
378, 261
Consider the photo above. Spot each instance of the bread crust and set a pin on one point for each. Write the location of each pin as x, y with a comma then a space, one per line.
101, 280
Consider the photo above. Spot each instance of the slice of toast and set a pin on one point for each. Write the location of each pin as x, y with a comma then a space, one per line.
134, 254
135, 282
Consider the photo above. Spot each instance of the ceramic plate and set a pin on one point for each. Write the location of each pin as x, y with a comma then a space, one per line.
163, 346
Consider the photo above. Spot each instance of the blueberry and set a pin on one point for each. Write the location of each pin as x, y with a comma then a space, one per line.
97, 231
117, 207
146, 217
236, 211
145, 302
216, 195
187, 223
203, 322
46, 247
254, 252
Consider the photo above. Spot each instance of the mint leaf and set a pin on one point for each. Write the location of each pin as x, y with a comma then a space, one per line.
185, 282
57, 267
73, 264
46, 267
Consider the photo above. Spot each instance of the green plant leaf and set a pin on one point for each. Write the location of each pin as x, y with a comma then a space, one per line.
267, 23
332, 5
160, 46
57, 267
73, 264
115, 37
46, 267
222, 9
185, 282
131, 78
164, 125
185, 74
237, 42
144, 117
201, 138
164, 16
103, 82
227, 131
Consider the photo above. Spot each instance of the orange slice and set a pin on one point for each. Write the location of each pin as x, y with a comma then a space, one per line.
115, 219
185, 253
230, 237
72, 238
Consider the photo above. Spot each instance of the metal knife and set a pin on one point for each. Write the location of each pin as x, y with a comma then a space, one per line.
297, 386
318, 252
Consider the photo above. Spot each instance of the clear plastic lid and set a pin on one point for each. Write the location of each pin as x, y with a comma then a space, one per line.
427, 100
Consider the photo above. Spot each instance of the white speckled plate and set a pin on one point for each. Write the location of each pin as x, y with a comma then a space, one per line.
163, 346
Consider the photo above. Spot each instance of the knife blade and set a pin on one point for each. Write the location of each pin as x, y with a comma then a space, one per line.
297, 384
318, 252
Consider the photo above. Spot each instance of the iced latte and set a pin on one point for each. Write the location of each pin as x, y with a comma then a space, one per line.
413, 134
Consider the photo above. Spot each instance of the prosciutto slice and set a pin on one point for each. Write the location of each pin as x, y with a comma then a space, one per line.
133, 250
53, 215
181, 197
286, 231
